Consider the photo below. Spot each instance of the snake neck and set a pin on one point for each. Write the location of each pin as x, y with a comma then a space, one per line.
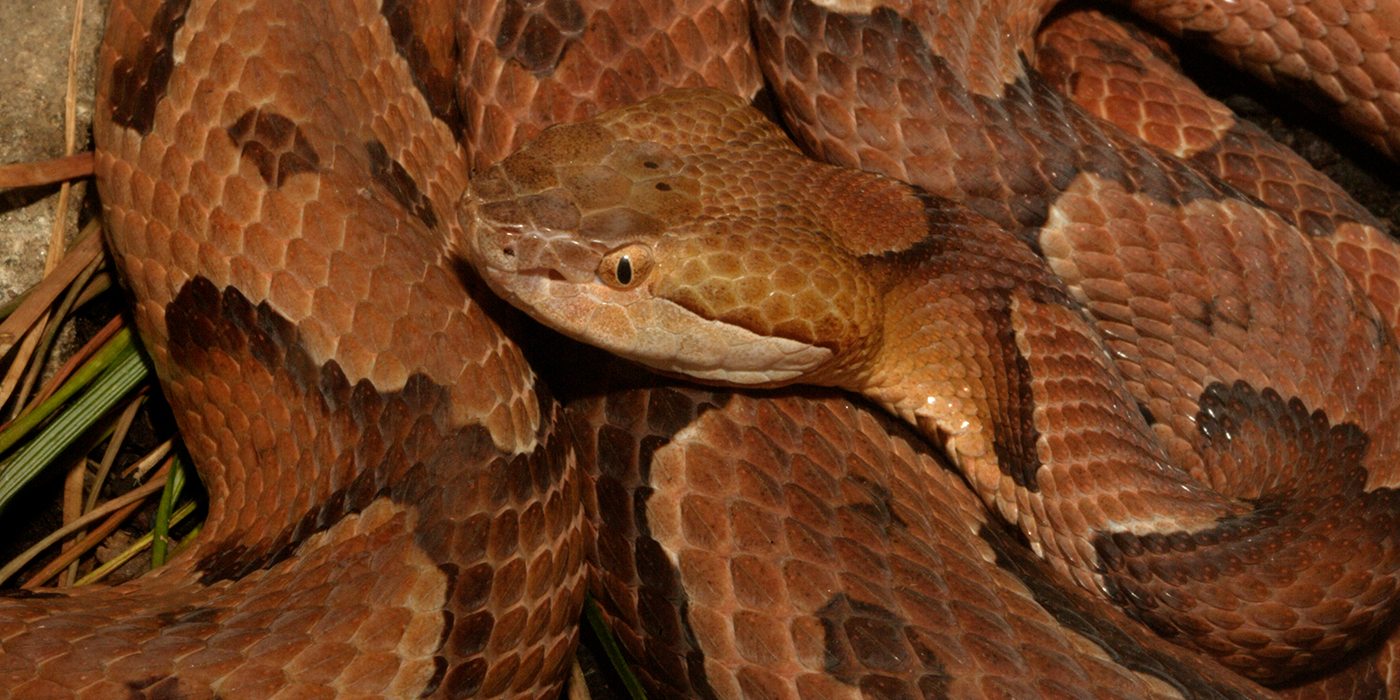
987, 355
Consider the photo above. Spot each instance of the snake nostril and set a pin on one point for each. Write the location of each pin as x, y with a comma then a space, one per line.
508, 251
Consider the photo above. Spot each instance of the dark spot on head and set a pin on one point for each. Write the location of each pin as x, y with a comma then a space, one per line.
275, 145
650, 165
140, 79
663, 187
395, 180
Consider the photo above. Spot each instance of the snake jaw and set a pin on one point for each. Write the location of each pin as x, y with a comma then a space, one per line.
655, 332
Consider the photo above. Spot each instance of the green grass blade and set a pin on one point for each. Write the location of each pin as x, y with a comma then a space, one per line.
120, 343
160, 530
594, 615
135, 548
118, 368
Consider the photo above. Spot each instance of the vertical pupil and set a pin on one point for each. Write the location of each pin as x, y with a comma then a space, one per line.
624, 270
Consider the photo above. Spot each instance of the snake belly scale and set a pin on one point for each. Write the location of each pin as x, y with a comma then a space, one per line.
401, 508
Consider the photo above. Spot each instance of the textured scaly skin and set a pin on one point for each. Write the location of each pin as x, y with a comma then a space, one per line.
965, 333
242, 634
391, 510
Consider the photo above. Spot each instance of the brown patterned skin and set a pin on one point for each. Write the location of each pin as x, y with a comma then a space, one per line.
1122, 75
392, 509
781, 500
394, 522
1343, 56
527, 65
955, 136
964, 332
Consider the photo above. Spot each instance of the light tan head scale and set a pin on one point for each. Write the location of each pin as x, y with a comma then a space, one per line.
626, 232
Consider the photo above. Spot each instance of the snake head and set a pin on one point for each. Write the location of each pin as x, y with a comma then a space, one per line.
633, 241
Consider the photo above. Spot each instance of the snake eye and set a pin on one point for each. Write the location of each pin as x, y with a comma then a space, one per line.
625, 267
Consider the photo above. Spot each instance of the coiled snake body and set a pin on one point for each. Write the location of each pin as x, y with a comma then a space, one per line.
399, 508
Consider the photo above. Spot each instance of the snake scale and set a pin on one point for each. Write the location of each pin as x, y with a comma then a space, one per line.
401, 506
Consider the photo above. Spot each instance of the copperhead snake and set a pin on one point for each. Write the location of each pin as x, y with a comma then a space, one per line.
399, 508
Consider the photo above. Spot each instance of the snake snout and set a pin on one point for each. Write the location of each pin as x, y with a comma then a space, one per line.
520, 250
521, 232
532, 252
